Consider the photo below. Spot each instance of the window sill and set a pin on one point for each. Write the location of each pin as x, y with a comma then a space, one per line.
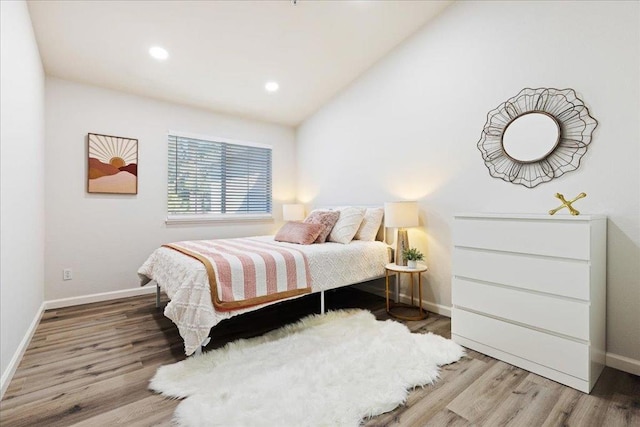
218, 219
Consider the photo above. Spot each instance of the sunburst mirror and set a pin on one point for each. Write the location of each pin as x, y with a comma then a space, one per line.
536, 136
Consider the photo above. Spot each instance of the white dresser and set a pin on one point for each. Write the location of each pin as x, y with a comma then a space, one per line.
531, 290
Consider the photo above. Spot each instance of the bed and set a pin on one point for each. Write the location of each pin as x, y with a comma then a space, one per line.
186, 280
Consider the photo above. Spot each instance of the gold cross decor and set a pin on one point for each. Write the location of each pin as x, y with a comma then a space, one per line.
567, 204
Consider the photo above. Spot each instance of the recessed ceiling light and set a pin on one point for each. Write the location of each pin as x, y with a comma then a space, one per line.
271, 86
159, 53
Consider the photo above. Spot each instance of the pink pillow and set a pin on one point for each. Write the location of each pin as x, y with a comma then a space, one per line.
326, 218
299, 232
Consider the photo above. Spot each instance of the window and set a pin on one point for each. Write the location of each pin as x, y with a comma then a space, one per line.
217, 179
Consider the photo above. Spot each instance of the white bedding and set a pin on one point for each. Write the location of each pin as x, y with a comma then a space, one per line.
185, 281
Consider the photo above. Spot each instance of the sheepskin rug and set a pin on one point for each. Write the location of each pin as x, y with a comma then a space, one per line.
325, 370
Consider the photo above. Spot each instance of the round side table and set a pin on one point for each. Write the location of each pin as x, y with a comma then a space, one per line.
392, 309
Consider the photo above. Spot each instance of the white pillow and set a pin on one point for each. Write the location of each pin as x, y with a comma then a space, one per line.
370, 224
347, 225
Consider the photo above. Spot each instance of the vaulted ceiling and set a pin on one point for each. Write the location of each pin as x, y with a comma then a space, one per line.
221, 53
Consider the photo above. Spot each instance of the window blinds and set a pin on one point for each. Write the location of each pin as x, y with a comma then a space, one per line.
211, 177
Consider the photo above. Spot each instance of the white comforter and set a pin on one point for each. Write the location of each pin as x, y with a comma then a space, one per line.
185, 281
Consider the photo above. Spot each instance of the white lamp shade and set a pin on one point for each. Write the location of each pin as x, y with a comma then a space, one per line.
293, 212
401, 214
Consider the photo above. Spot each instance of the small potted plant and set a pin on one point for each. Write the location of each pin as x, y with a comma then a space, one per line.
412, 255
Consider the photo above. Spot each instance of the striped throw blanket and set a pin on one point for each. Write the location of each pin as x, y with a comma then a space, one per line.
246, 272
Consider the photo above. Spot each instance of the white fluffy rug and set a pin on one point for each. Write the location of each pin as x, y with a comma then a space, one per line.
326, 370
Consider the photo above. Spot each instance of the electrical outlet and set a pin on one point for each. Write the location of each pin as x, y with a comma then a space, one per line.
67, 274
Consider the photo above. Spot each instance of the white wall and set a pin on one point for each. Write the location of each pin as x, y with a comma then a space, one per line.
408, 129
105, 238
21, 180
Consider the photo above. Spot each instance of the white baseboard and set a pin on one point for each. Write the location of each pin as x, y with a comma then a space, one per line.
104, 296
427, 305
623, 363
7, 375
440, 309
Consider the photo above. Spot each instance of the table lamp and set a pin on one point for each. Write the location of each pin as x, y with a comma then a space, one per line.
293, 212
401, 215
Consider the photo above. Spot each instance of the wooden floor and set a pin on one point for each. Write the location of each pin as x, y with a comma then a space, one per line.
90, 365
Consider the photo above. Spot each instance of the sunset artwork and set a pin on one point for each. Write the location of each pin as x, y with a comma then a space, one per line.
113, 164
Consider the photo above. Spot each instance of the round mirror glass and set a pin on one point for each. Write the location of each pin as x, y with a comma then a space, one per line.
531, 137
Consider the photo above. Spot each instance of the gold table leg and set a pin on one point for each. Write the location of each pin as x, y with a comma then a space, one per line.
387, 288
411, 276
420, 293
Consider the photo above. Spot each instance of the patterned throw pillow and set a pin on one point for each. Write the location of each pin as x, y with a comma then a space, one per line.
299, 232
370, 224
327, 218
347, 225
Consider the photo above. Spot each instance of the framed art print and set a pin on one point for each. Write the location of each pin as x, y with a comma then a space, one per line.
113, 164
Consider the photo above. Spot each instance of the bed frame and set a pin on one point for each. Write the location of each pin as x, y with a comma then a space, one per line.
381, 237
322, 307
208, 339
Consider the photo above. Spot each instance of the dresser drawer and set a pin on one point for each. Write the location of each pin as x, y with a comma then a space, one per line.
557, 353
557, 315
556, 238
566, 277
